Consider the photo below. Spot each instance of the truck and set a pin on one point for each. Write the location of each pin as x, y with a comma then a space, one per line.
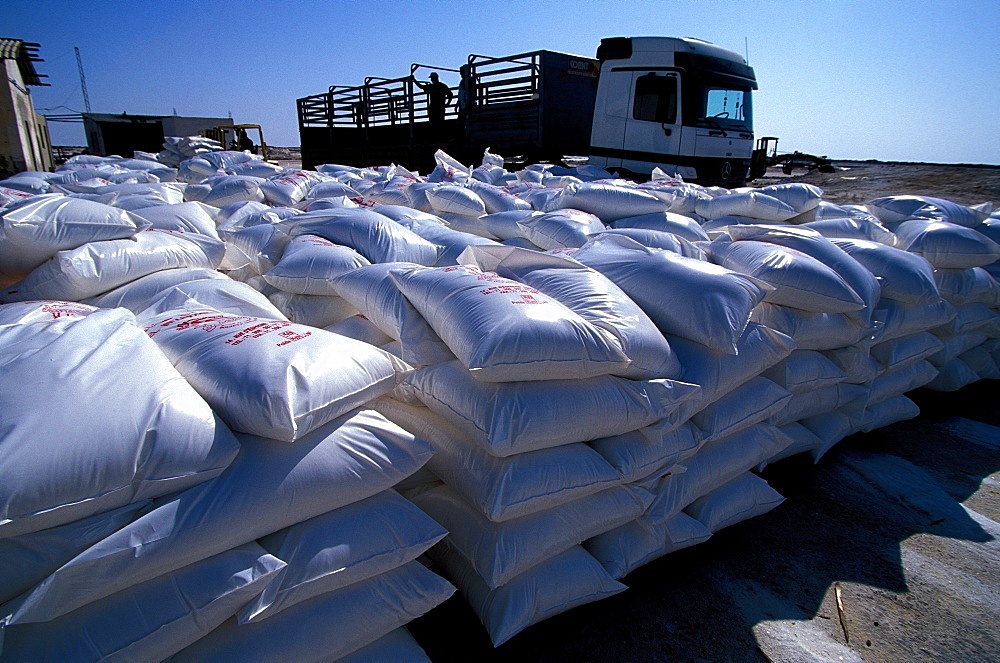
679, 104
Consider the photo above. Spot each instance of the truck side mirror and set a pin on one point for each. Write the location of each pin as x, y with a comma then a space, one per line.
666, 130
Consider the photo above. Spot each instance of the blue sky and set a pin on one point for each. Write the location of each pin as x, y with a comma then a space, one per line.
889, 80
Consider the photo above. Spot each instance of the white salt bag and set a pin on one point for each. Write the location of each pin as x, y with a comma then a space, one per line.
501, 551
225, 296
267, 488
609, 202
341, 547
853, 228
715, 464
747, 496
974, 285
753, 204
312, 310
152, 620
271, 378
286, 188
185, 217
308, 263
812, 330
905, 276
137, 294
512, 417
690, 298
947, 245
360, 328
30, 558
373, 292
561, 228
160, 439
36, 229
798, 280
799, 196
503, 488
810, 242
456, 200
626, 548
507, 225
718, 373
234, 188
659, 239
594, 297
568, 580
895, 209
98, 267
505, 331
670, 222
258, 248
327, 627
376, 237
636, 456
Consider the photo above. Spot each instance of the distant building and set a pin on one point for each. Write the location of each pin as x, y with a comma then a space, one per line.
108, 133
24, 134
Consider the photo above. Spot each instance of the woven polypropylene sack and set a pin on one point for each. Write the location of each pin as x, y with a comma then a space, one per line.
799, 280
690, 298
330, 626
511, 417
271, 378
66, 368
268, 487
905, 277
609, 201
309, 262
152, 620
503, 488
501, 551
594, 297
343, 546
36, 229
568, 580
378, 238
947, 245
98, 267
505, 331
373, 292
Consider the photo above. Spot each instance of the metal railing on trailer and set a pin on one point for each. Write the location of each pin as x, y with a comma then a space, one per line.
510, 79
384, 114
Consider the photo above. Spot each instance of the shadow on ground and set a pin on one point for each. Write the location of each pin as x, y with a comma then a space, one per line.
882, 515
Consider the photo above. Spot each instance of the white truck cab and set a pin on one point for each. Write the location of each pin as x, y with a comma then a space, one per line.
680, 104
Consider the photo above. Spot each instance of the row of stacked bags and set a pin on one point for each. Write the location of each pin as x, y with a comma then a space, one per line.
267, 413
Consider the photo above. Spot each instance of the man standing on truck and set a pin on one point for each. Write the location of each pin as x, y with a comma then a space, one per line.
438, 97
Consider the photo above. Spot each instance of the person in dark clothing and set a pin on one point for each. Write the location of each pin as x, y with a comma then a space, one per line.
439, 96
245, 143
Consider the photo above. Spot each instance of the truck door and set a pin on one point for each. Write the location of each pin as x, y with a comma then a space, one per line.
611, 116
653, 129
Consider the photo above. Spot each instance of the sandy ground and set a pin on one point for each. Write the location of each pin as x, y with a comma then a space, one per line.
860, 181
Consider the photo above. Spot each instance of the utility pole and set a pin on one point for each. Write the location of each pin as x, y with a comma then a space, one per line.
83, 79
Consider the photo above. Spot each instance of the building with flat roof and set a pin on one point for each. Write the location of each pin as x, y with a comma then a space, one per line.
122, 134
24, 134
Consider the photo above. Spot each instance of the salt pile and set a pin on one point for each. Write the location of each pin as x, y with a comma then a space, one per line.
262, 412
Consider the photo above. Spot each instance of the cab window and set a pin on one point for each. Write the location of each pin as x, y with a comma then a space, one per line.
655, 99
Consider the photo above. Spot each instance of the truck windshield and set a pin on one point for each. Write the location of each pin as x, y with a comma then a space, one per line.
725, 107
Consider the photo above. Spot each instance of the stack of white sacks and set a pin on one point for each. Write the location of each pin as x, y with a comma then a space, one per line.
592, 370
190, 474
